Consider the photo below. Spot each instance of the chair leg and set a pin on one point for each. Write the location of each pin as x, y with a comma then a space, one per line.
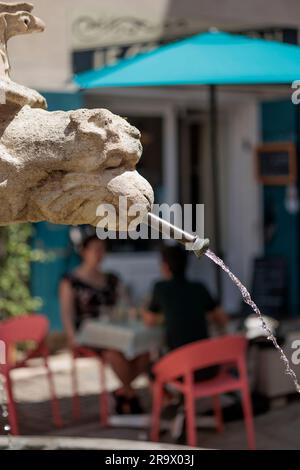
218, 413
11, 407
156, 411
103, 397
75, 394
57, 420
248, 416
190, 413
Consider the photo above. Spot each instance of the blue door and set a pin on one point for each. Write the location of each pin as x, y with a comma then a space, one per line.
279, 124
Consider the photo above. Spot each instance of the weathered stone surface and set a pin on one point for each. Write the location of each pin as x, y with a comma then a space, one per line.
15, 7
16, 19
13, 93
59, 166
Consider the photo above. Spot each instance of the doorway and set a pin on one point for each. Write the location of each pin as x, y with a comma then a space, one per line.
192, 160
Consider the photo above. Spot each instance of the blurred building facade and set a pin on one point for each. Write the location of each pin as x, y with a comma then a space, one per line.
82, 35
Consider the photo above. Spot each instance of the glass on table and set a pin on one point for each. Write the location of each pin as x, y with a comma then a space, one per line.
106, 313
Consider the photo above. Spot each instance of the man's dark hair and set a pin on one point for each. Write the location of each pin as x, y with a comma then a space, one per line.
176, 259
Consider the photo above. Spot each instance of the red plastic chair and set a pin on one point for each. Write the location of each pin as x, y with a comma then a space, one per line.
184, 361
26, 328
80, 351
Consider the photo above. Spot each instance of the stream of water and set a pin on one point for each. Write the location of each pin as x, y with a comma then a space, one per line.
247, 299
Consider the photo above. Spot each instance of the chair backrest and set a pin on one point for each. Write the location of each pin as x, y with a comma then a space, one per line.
24, 328
201, 354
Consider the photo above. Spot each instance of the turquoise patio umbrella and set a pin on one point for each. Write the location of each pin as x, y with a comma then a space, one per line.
213, 58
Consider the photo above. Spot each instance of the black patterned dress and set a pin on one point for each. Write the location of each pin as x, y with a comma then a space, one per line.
89, 299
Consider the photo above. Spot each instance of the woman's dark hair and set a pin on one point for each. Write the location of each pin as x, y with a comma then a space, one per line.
86, 241
176, 259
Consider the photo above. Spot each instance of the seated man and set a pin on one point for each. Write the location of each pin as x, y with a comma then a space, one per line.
183, 305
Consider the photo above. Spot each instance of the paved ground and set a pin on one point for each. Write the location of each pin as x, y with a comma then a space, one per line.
276, 429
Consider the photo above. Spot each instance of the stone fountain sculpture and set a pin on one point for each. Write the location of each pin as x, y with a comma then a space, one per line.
60, 166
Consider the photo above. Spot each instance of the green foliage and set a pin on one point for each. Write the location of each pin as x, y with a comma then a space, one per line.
16, 256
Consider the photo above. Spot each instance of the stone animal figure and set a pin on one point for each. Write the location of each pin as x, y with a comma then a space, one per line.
59, 166
16, 19
13, 24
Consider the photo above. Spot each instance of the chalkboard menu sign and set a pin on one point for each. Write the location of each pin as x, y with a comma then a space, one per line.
270, 286
276, 164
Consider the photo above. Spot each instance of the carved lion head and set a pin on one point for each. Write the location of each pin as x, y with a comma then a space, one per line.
60, 166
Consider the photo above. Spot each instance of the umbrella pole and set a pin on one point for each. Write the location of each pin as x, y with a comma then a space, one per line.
213, 131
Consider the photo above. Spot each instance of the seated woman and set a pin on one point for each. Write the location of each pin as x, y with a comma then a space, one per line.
87, 293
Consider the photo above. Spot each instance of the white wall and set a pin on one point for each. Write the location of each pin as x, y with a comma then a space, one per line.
243, 225
138, 271
43, 60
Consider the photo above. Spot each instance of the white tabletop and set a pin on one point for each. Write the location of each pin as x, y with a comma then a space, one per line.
131, 337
